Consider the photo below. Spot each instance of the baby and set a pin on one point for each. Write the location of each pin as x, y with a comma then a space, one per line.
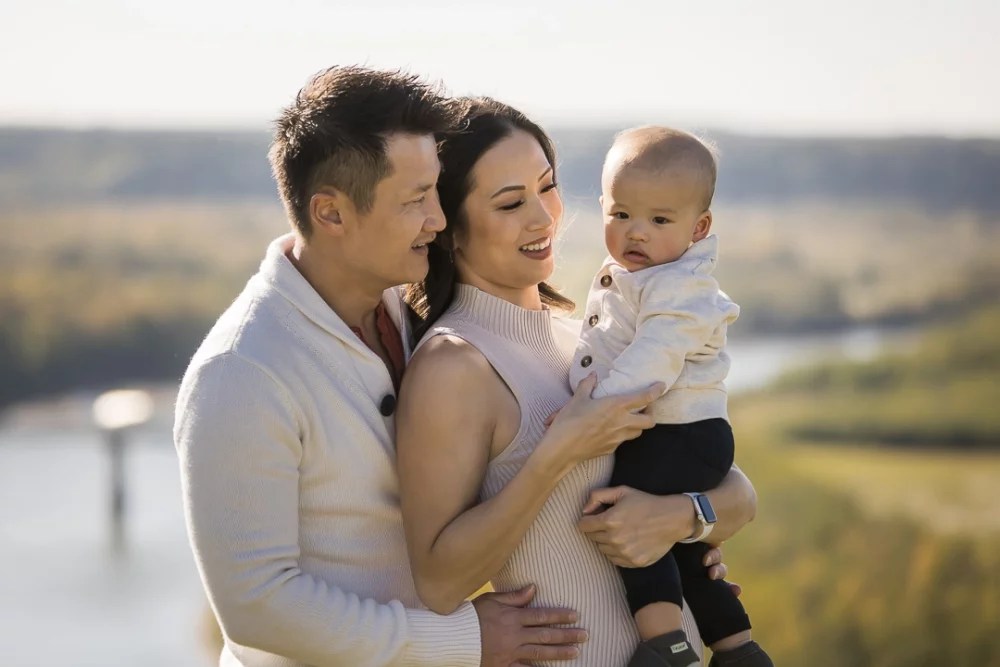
655, 313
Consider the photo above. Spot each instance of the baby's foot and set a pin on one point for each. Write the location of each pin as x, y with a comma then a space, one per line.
669, 650
748, 655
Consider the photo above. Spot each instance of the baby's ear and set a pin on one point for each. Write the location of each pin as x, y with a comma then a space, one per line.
702, 227
600, 200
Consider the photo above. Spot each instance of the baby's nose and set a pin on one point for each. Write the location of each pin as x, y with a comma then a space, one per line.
636, 233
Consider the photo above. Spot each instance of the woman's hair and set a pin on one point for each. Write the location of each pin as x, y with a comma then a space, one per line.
486, 123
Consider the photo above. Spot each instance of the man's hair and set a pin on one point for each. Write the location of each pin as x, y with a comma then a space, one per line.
334, 133
656, 150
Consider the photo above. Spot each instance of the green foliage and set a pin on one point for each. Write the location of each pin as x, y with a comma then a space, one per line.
828, 584
946, 391
92, 297
870, 556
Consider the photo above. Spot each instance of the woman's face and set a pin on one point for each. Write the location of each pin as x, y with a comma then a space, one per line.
511, 213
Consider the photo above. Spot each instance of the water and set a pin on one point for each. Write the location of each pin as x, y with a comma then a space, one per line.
755, 363
66, 599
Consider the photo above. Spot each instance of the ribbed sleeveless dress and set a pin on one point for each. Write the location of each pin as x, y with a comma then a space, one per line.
532, 351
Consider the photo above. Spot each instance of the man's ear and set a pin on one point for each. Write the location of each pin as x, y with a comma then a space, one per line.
702, 227
327, 211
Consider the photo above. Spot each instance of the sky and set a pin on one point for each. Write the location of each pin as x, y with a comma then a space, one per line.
851, 67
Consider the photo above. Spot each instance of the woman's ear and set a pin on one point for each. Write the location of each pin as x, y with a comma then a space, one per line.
702, 227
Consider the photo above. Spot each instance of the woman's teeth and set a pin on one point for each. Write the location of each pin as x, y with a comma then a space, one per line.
542, 245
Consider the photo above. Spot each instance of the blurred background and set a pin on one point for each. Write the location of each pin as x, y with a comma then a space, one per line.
858, 211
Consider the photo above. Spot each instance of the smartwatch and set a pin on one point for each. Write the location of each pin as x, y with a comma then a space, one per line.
706, 517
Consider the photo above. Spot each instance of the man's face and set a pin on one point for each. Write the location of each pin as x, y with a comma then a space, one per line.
389, 242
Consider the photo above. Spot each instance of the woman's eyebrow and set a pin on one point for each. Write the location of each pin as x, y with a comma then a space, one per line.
506, 188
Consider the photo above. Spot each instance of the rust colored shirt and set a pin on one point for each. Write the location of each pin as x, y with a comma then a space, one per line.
391, 340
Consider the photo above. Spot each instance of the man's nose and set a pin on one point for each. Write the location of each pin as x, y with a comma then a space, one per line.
435, 221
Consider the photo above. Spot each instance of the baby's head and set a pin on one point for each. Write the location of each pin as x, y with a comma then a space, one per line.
657, 188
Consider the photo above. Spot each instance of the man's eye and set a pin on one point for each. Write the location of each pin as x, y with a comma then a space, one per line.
419, 201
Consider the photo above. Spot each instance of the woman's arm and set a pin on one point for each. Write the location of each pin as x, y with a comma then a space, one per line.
640, 528
445, 427
735, 505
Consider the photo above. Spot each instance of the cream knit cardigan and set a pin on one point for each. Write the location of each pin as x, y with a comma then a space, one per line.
290, 489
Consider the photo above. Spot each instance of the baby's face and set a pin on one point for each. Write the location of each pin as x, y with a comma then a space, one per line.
652, 219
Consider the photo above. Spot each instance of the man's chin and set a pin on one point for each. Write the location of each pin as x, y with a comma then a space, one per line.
414, 273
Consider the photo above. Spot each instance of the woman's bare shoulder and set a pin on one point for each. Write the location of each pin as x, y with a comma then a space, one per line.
450, 364
449, 388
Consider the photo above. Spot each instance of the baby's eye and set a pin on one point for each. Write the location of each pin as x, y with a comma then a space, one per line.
660, 220
620, 215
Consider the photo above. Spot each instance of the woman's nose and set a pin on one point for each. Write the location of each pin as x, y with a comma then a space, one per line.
542, 218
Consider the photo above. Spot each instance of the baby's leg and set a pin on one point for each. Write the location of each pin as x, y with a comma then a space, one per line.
722, 621
654, 592
654, 596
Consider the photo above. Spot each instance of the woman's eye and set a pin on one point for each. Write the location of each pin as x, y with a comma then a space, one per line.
511, 207
549, 188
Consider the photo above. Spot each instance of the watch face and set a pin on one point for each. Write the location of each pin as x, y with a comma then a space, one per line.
706, 509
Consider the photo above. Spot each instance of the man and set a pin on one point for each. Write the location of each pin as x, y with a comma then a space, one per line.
284, 423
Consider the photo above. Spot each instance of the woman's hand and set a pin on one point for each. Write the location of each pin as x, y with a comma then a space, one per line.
586, 428
638, 529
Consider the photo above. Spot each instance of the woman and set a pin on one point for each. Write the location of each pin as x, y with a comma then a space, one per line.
490, 491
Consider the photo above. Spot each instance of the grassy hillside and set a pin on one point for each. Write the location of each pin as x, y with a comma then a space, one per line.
868, 555
119, 249
96, 296
115, 292
944, 392
937, 174
834, 577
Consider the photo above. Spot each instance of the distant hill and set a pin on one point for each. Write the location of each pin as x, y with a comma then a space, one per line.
43, 166
935, 174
